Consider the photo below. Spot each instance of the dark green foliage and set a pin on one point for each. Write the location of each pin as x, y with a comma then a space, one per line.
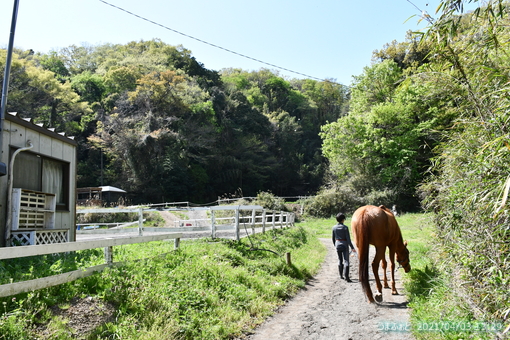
54, 63
151, 119
90, 87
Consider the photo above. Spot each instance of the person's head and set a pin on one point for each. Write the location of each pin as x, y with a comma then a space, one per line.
340, 217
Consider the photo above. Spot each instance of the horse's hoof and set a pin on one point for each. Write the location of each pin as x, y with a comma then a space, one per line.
387, 287
378, 297
394, 292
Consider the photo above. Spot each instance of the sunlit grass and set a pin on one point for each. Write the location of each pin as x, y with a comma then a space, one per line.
437, 310
204, 290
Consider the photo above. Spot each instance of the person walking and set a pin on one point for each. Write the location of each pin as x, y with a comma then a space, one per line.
342, 242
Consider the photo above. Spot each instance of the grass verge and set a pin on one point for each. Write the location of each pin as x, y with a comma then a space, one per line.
205, 290
438, 310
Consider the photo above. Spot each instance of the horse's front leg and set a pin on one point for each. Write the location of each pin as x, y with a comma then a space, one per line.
384, 265
379, 255
392, 268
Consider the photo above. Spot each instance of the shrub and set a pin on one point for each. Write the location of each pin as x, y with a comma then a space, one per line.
270, 201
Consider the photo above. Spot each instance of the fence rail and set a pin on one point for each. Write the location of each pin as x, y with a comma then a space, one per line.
258, 217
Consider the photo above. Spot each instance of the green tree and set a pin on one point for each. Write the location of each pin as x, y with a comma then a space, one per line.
53, 62
36, 93
159, 135
90, 87
385, 142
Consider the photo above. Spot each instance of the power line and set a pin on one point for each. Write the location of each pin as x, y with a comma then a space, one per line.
210, 44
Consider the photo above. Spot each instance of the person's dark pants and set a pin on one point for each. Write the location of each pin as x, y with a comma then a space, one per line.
342, 251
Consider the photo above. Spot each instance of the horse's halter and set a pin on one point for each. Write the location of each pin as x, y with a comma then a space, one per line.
404, 263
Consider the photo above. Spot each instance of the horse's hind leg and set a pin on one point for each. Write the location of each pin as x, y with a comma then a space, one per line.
379, 255
384, 265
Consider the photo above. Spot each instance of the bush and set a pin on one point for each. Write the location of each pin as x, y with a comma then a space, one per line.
270, 201
328, 202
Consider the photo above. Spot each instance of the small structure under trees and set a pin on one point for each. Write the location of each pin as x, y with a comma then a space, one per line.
100, 196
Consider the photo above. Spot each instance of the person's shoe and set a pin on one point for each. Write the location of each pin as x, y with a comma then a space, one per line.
347, 274
341, 270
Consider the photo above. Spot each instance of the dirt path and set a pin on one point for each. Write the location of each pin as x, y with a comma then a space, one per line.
330, 308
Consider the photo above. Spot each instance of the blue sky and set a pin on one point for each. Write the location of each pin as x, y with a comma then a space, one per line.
323, 39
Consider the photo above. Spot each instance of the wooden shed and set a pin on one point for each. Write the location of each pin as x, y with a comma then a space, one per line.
38, 196
105, 196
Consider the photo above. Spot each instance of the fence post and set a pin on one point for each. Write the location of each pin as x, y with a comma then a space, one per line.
281, 219
253, 221
213, 225
274, 219
177, 242
237, 224
263, 221
288, 259
140, 222
108, 255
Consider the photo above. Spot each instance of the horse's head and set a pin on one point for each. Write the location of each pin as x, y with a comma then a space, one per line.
403, 258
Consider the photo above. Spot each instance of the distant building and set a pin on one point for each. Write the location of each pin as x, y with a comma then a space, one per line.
38, 198
101, 196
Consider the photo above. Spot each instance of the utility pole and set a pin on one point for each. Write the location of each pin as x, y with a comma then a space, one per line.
5, 86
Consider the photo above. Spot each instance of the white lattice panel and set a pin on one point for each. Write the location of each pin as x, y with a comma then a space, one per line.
50, 237
32, 209
32, 200
34, 237
31, 219
22, 238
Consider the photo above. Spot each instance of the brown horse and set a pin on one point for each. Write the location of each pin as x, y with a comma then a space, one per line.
377, 226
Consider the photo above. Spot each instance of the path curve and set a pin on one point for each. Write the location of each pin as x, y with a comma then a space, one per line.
330, 308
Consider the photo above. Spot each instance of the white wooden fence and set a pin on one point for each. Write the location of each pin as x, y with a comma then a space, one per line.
258, 217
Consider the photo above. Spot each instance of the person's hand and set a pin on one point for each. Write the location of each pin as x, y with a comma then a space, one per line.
353, 250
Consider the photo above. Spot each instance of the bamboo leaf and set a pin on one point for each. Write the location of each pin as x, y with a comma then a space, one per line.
505, 196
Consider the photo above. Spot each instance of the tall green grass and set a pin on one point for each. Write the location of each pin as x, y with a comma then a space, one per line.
204, 290
438, 310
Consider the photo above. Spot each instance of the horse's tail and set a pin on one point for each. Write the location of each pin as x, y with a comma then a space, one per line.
362, 234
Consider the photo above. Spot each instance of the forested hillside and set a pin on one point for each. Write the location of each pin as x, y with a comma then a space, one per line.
151, 119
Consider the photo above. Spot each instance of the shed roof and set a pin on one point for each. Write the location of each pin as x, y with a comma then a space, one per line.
111, 189
28, 123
